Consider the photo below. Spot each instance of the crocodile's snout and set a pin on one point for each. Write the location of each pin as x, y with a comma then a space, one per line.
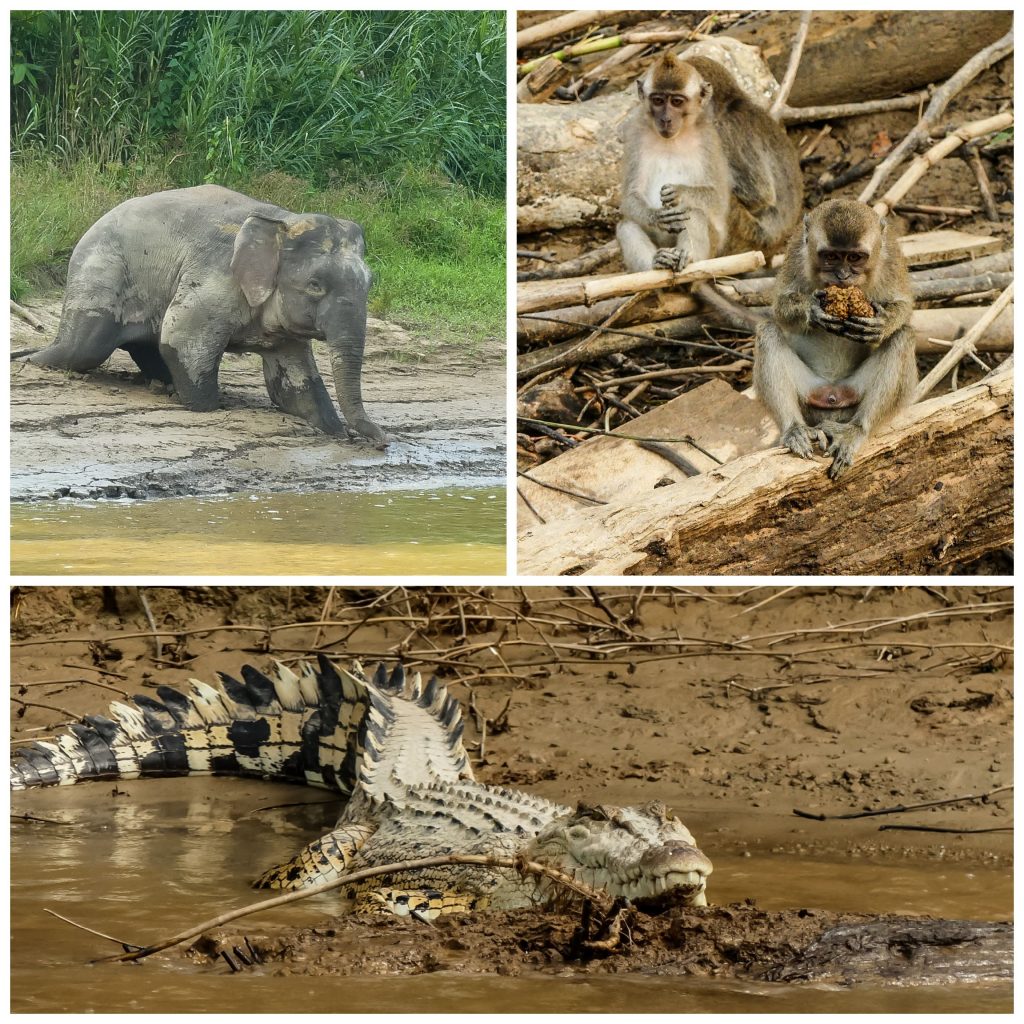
676, 865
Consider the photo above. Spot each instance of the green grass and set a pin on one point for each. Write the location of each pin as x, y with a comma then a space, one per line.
237, 93
436, 248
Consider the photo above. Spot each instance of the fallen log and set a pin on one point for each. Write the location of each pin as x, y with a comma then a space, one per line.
758, 291
903, 951
932, 492
557, 324
864, 55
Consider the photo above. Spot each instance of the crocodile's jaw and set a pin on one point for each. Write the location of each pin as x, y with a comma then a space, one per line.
633, 852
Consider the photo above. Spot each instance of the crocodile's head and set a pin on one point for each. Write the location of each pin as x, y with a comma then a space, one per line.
626, 851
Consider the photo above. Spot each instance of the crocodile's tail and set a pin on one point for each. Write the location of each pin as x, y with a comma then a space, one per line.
322, 727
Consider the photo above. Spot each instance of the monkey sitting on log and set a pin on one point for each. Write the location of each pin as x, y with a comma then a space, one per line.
835, 378
706, 171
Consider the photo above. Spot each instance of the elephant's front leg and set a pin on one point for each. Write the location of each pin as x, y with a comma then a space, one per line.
295, 386
193, 338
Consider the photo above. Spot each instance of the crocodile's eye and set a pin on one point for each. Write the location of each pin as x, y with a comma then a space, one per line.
315, 290
578, 833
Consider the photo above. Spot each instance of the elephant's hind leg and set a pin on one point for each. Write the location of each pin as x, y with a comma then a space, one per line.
147, 358
84, 340
295, 386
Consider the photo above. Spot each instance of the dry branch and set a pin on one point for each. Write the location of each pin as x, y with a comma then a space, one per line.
925, 161
582, 265
638, 39
543, 80
835, 111
535, 296
940, 100
30, 318
563, 23
524, 866
779, 103
964, 345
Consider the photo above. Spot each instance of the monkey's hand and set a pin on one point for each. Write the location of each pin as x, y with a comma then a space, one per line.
800, 438
844, 440
671, 219
671, 259
864, 329
671, 195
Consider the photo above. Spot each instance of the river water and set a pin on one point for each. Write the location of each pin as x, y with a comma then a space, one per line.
178, 852
451, 531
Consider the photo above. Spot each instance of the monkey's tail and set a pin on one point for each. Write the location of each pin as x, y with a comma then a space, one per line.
735, 315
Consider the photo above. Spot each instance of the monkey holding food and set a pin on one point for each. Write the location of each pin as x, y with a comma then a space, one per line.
706, 171
832, 366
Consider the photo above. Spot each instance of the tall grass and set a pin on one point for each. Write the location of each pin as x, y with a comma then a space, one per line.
316, 94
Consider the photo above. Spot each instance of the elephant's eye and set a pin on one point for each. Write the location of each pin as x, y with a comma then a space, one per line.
316, 289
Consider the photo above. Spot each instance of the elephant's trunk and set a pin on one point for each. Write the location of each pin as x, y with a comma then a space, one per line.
345, 333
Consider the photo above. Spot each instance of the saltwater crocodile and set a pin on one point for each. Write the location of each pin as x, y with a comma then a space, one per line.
393, 747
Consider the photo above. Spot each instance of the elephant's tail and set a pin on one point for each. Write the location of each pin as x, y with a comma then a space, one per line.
325, 727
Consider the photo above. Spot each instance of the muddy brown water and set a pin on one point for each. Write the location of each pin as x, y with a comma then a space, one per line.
170, 853
452, 531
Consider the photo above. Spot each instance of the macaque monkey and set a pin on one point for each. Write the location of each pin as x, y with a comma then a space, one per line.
835, 379
706, 171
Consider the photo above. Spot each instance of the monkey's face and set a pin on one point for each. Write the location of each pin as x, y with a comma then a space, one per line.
844, 267
671, 112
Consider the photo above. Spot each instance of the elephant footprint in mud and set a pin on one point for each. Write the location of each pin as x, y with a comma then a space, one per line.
178, 278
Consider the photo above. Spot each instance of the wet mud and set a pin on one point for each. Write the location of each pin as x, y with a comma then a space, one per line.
106, 434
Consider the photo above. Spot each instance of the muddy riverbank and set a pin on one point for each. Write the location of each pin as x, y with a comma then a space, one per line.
106, 435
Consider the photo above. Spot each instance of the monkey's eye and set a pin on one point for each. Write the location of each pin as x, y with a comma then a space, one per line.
657, 100
856, 258
677, 101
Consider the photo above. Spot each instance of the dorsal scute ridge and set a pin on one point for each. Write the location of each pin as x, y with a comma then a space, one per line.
326, 725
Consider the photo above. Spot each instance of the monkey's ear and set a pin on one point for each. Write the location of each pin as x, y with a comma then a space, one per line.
706, 92
807, 225
640, 88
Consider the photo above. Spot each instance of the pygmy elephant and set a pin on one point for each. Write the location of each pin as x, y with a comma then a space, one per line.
179, 278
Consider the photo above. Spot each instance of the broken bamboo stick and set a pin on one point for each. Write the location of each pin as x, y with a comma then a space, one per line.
535, 296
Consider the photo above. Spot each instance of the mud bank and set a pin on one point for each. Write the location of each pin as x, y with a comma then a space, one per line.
106, 435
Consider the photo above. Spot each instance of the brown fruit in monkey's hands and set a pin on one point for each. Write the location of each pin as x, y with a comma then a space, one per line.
844, 303
832, 396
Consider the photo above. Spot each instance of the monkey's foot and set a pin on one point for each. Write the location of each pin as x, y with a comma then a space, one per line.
800, 438
669, 259
844, 440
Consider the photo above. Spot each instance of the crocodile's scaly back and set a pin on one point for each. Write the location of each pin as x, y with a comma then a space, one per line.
322, 727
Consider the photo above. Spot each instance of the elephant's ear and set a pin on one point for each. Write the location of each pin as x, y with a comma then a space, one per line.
255, 259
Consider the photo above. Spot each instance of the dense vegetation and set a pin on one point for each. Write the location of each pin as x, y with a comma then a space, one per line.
392, 118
